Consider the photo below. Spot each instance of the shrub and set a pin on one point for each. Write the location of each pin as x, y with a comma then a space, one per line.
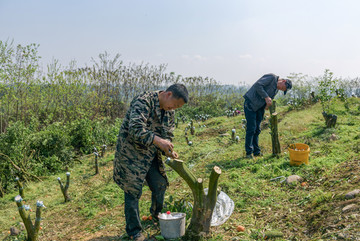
52, 147
13, 148
81, 136
105, 132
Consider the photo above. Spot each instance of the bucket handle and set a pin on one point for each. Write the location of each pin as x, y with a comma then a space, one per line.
276, 178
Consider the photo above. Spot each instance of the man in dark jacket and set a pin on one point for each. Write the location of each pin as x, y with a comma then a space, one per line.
145, 134
257, 99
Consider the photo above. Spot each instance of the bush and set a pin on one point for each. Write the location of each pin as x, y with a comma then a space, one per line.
14, 141
12, 148
52, 147
211, 105
105, 132
81, 136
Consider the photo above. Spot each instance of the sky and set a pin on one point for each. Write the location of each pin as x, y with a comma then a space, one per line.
231, 41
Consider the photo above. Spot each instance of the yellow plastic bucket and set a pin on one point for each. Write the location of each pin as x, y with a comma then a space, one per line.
299, 154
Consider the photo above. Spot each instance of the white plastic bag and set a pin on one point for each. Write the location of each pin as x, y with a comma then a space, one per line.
223, 209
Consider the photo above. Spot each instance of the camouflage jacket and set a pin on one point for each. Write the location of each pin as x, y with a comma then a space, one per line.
135, 149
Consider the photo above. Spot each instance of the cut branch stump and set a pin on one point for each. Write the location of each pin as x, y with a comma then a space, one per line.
64, 189
21, 188
203, 204
31, 229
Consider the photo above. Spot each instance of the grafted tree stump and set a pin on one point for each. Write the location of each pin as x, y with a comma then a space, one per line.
31, 229
64, 189
203, 204
276, 150
330, 119
192, 127
21, 187
103, 150
96, 163
233, 132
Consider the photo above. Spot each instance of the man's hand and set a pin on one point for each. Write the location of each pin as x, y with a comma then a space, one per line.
268, 101
164, 145
173, 155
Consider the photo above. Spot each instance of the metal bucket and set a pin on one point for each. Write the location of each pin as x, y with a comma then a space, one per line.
174, 227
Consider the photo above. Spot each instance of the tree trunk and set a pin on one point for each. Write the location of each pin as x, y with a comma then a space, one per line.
276, 150
203, 204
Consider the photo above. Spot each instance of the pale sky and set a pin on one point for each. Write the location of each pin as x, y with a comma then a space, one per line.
231, 41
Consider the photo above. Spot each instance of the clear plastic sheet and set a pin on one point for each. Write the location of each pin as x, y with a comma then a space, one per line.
223, 209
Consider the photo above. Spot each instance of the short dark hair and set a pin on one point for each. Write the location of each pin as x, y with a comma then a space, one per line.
179, 91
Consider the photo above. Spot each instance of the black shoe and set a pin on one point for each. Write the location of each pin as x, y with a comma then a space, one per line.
258, 154
249, 156
155, 217
139, 237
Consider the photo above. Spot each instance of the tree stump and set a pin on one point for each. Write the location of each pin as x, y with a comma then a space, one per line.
103, 150
233, 132
96, 163
31, 229
64, 189
21, 188
192, 127
330, 119
276, 149
203, 204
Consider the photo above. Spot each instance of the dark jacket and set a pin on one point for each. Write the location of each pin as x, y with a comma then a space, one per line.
264, 87
135, 149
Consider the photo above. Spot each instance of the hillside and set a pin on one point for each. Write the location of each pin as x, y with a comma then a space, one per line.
311, 211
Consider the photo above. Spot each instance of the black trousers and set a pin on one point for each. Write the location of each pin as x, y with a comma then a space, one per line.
253, 121
157, 185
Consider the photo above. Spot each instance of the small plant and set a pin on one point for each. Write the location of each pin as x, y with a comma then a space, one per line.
31, 229
328, 90
64, 190
181, 205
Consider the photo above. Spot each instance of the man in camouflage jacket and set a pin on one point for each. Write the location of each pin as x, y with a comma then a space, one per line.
145, 134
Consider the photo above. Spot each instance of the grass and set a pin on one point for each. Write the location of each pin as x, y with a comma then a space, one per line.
310, 212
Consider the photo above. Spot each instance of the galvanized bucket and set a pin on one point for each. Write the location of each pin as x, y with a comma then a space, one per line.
173, 227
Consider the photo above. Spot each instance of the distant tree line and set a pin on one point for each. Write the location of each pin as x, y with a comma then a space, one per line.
101, 90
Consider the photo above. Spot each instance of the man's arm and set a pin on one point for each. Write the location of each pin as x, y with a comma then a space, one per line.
138, 130
261, 83
168, 129
139, 115
165, 145
259, 87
